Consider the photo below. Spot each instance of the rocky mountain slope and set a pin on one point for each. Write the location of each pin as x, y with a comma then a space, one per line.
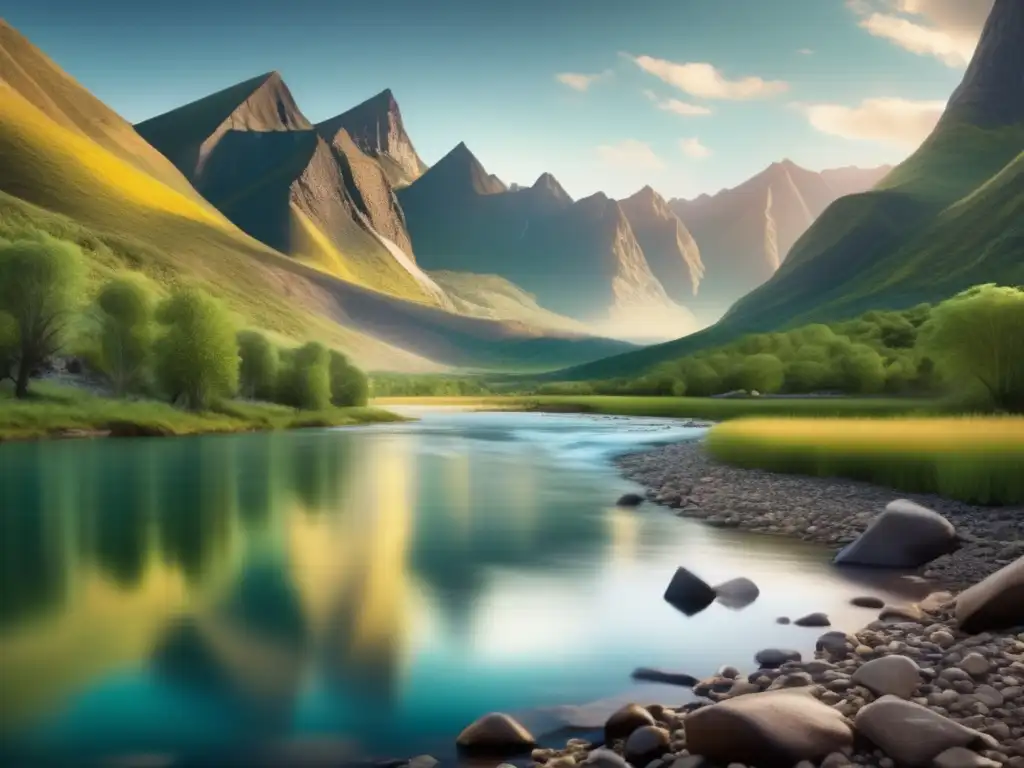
580, 259
744, 233
377, 129
74, 168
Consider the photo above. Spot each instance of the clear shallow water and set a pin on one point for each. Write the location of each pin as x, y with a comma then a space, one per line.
380, 586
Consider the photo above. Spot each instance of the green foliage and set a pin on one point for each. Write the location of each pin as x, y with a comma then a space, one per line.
401, 385
8, 345
40, 280
197, 355
976, 337
349, 385
305, 377
125, 309
258, 365
762, 372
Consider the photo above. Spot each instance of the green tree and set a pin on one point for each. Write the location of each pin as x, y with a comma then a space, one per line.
197, 355
762, 372
977, 337
125, 309
40, 281
306, 377
350, 387
8, 345
700, 378
862, 370
805, 376
258, 365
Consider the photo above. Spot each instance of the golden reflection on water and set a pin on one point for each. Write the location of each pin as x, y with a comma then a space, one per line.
623, 528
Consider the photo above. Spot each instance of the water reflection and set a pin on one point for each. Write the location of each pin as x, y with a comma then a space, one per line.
181, 595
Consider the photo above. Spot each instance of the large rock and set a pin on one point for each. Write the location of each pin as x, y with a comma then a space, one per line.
889, 675
817, 619
737, 593
996, 602
688, 593
913, 735
905, 535
626, 720
630, 500
772, 658
496, 733
774, 728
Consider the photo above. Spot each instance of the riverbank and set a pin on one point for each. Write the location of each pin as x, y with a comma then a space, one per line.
829, 511
56, 412
710, 408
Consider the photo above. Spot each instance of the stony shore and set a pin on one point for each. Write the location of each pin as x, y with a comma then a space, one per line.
910, 689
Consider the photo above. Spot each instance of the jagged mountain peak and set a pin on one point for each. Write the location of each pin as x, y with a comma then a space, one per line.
377, 128
548, 185
457, 175
991, 93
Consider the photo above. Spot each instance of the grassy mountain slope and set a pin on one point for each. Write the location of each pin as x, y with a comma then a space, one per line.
947, 218
57, 179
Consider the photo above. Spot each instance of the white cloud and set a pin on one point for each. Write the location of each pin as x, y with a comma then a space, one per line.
895, 121
805, 51
693, 148
630, 153
683, 108
581, 82
705, 81
946, 29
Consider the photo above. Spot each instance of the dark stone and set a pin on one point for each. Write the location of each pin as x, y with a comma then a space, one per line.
772, 658
813, 620
832, 642
782, 620
624, 721
905, 535
630, 500
688, 593
737, 593
868, 601
661, 676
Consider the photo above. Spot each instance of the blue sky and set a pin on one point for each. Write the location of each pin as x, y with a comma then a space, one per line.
686, 95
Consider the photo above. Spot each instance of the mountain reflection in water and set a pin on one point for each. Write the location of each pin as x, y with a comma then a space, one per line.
382, 586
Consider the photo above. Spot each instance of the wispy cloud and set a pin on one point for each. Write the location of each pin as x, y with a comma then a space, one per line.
630, 153
683, 108
693, 148
900, 122
805, 51
704, 81
945, 29
579, 81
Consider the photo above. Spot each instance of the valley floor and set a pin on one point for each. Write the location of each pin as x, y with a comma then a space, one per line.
64, 412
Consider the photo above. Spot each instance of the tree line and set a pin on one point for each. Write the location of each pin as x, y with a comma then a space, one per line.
184, 347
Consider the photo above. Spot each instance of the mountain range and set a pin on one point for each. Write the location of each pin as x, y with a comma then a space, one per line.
949, 217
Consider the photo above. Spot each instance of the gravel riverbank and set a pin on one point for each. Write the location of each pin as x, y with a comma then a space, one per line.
829, 511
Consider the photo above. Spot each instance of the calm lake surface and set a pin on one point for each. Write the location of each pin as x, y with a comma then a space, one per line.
378, 587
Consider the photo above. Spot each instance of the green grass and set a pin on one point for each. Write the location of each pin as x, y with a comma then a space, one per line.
55, 411
714, 409
973, 459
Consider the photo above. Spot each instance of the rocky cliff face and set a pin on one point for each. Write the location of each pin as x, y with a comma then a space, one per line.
670, 249
992, 91
377, 128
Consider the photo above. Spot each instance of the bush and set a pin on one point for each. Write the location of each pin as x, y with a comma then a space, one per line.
761, 372
306, 378
701, 379
125, 309
976, 337
349, 385
197, 355
258, 364
40, 280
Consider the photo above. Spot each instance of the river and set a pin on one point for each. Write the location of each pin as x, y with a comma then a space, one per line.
375, 588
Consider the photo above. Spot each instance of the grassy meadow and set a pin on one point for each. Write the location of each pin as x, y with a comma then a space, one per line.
974, 459
56, 411
710, 408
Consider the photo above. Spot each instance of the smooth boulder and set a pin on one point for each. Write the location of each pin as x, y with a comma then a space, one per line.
996, 602
772, 658
650, 675
624, 721
905, 535
889, 675
688, 593
496, 733
913, 735
868, 601
736, 593
816, 619
647, 743
770, 729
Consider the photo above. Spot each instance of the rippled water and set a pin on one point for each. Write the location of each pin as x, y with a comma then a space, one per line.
380, 586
